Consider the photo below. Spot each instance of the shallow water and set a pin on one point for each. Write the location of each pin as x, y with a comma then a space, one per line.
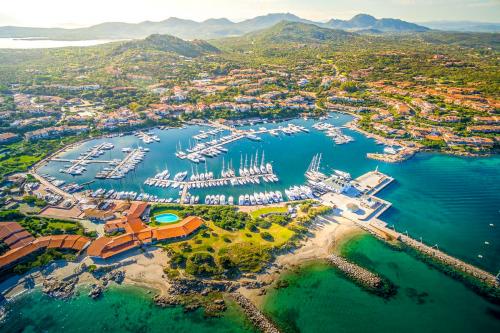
121, 309
319, 299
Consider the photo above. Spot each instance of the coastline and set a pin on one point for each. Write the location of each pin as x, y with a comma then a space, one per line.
324, 239
144, 268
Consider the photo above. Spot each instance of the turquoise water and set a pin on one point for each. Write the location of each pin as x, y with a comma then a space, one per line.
319, 299
120, 310
450, 201
166, 218
447, 200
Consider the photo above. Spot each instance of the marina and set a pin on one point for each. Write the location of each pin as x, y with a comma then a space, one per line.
198, 152
147, 137
121, 168
78, 165
291, 157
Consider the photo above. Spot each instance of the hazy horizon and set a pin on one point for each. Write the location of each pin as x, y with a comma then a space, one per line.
58, 13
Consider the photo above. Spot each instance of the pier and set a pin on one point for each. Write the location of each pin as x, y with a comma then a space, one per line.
147, 138
127, 164
236, 180
373, 182
361, 275
78, 165
215, 147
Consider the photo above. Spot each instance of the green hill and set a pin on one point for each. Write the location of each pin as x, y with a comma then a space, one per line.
167, 43
296, 32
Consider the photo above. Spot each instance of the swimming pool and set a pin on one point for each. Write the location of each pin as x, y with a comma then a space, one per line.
167, 218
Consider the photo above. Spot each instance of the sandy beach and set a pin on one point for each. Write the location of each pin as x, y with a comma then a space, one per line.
324, 239
144, 268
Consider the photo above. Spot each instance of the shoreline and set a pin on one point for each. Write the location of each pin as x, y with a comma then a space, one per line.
144, 269
325, 239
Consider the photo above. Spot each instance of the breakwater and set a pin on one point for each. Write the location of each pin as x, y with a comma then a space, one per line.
359, 274
471, 270
255, 315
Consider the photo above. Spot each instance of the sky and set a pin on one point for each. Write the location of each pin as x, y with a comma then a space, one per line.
75, 13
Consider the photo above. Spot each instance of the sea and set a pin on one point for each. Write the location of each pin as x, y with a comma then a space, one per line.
35, 43
448, 201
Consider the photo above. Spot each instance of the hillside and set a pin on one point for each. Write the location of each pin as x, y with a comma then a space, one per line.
368, 22
295, 32
167, 43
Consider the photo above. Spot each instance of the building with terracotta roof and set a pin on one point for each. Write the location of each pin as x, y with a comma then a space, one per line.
14, 235
106, 247
22, 243
132, 221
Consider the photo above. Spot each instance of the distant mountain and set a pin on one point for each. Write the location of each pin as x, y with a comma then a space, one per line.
209, 29
263, 22
296, 32
367, 22
463, 26
169, 43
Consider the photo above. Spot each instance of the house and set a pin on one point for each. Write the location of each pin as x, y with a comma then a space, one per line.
8, 137
137, 233
484, 128
22, 244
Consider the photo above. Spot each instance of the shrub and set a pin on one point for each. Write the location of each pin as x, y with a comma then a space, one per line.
178, 260
266, 236
201, 264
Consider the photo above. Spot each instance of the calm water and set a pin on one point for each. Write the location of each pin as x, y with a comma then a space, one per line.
120, 310
446, 200
20, 43
320, 300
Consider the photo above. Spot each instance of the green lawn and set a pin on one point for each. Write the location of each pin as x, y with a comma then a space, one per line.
268, 210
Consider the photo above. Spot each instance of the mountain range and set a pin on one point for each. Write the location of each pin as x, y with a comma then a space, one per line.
209, 29
463, 26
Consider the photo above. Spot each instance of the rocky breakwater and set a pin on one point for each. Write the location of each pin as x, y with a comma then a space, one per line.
254, 315
362, 276
195, 293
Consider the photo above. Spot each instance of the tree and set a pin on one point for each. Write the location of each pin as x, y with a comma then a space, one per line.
201, 264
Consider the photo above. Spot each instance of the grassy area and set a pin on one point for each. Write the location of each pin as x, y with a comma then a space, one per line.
268, 210
23, 154
240, 250
218, 238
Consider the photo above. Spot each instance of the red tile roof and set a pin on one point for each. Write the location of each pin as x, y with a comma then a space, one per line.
105, 247
73, 242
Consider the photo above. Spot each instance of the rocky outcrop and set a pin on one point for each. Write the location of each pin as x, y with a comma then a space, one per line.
254, 315
96, 291
61, 289
166, 301
253, 284
185, 286
115, 276
103, 281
